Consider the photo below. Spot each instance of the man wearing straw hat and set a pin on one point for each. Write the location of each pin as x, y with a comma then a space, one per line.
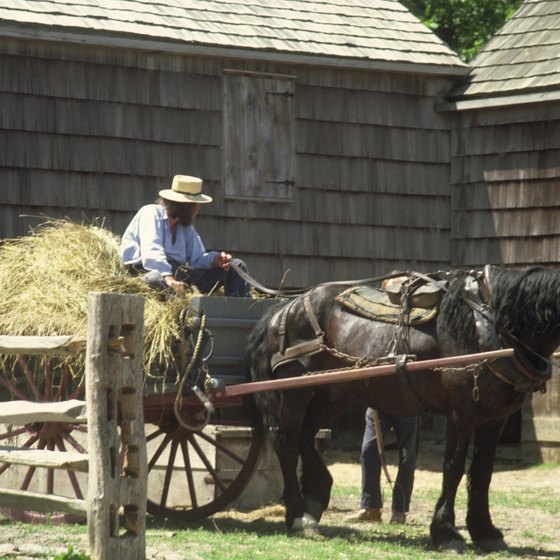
162, 244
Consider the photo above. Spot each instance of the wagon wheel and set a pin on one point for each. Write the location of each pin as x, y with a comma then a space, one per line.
55, 384
193, 474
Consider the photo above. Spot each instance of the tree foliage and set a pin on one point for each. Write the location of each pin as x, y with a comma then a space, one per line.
465, 25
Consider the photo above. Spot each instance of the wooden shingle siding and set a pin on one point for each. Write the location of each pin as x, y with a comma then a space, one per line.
101, 106
528, 193
96, 136
374, 175
505, 172
505, 160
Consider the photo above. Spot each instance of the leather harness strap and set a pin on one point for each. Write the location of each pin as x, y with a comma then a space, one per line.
302, 349
292, 293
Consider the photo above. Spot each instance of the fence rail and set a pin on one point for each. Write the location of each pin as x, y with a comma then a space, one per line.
113, 410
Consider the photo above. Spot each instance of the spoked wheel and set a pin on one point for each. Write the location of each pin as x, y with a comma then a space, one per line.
56, 383
195, 473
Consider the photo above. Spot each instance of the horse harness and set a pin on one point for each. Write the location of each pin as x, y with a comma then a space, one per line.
515, 370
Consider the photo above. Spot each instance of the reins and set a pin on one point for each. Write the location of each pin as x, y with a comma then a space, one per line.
296, 292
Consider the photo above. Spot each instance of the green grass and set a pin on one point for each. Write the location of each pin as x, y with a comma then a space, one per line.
253, 537
233, 539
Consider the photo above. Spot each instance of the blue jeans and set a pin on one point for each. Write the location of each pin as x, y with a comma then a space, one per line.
407, 431
205, 279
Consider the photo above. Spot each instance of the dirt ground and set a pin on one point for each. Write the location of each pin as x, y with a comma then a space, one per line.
524, 500
526, 505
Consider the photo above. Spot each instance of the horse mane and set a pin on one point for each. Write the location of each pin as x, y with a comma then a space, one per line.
526, 301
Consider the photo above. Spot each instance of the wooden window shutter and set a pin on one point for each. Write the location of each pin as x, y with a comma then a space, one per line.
258, 137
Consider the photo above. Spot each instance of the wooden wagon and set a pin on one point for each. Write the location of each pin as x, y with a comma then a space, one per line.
196, 466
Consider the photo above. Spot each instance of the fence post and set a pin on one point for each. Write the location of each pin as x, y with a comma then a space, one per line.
117, 458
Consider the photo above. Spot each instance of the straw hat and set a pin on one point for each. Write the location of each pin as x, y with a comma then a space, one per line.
185, 189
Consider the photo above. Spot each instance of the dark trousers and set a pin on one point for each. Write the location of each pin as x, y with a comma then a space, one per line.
205, 279
407, 431
208, 279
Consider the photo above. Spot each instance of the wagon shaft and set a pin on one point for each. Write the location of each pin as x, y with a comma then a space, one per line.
355, 374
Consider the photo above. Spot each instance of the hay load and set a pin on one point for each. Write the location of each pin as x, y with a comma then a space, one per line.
45, 279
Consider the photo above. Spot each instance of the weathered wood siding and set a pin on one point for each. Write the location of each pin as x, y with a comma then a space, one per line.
94, 133
505, 174
540, 431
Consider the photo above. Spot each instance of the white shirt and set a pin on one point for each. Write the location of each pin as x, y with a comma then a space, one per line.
148, 241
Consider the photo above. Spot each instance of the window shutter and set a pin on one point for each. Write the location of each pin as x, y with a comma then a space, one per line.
258, 147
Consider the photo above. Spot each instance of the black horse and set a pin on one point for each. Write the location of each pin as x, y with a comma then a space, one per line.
482, 310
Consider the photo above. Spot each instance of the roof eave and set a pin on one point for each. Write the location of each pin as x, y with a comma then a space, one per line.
176, 47
466, 104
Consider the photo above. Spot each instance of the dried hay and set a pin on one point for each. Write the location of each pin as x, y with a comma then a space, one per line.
45, 278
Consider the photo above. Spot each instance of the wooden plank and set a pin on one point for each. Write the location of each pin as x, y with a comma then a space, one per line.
385, 142
378, 108
35, 501
498, 223
105, 119
89, 155
110, 375
67, 80
25, 412
50, 345
68, 460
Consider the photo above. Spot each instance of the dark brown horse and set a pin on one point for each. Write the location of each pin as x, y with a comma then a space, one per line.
480, 311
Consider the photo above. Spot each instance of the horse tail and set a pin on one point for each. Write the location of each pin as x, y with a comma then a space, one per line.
265, 406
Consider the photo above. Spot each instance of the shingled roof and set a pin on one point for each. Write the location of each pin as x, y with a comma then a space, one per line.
379, 34
520, 64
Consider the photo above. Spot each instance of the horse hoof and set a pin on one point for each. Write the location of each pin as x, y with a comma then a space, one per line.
492, 545
307, 525
455, 545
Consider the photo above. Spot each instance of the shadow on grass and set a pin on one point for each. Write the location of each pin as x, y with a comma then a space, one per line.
529, 552
391, 536
267, 527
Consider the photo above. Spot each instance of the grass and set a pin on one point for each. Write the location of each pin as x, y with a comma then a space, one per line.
262, 534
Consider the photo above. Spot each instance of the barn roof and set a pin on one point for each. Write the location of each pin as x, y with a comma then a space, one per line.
379, 34
520, 64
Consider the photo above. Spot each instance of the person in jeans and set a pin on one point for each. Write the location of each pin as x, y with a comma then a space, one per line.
407, 432
162, 244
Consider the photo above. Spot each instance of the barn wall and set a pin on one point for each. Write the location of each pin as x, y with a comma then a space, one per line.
505, 174
505, 193
94, 133
540, 431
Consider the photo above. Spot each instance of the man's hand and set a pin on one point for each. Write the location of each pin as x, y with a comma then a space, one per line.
175, 284
222, 260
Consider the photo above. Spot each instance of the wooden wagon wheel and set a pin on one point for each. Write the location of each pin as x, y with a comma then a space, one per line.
55, 384
193, 474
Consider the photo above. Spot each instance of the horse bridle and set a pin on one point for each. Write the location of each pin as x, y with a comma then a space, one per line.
514, 370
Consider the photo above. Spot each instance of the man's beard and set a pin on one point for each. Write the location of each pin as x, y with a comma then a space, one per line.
186, 220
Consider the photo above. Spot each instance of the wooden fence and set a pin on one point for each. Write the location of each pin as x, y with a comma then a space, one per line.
116, 461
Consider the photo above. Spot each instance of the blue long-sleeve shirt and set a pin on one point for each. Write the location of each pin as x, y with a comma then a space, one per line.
148, 241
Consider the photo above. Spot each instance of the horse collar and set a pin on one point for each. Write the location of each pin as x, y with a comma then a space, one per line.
515, 370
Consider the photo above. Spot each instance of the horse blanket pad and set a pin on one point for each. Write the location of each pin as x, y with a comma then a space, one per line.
374, 303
